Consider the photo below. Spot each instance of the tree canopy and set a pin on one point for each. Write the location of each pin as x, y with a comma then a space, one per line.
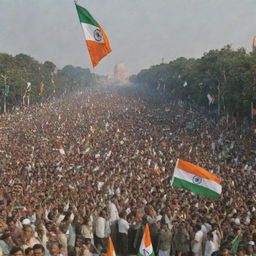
227, 75
17, 71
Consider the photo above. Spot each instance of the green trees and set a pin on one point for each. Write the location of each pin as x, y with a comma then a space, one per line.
228, 75
22, 69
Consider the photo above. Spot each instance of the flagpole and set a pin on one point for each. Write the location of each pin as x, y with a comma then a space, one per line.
252, 110
174, 171
93, 76
5, 91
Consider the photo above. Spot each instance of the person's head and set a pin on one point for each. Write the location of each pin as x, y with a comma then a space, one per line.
11, 224
122, 215
165, 227
29, 252
240, 252
87, 221
224, 251
67, 218
5, 237
16, 251
63, 228
54, 248
215, 227
79, 241
197, 227
27, 231
38, 250
209, 236
249, 250
103, 213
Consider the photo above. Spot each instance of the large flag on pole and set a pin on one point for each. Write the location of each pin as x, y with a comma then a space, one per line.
196, 179
146, 248
96, 39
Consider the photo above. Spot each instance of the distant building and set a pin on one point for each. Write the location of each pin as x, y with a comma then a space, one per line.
120, 74
254, 44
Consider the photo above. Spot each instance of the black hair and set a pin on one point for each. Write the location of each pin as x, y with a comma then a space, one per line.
28, 250
15, 249
38, 246
210, 235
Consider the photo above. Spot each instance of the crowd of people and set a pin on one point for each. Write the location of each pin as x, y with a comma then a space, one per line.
98, 164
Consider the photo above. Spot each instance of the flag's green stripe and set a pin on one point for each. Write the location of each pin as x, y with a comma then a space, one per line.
236, 244
195, 188
85, 16
152, 254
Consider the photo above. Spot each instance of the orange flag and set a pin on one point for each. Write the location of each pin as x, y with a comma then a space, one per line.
111, 249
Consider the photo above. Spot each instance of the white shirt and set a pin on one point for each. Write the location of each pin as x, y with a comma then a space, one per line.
205, 228
123, 226
197, 247
209, 248
100, 227
113, 212
216, 240
60, 218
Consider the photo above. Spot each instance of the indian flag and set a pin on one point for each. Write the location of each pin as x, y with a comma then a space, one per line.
196, 179
111, 249
146, 248
96, 39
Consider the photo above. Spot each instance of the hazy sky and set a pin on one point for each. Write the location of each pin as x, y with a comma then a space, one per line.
141, 32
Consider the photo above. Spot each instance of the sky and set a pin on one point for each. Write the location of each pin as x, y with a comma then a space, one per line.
141, 32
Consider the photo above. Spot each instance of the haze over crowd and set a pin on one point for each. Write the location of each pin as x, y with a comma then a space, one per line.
150, 30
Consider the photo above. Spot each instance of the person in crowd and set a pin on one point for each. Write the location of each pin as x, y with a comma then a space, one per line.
164, 244
123, 228
16, 251
95, 155
197, 242
38, 250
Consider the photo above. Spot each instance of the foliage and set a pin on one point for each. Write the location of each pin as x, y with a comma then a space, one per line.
21, 69
228, 75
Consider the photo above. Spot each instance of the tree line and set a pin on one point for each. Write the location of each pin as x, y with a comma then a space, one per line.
221, 81
22, 76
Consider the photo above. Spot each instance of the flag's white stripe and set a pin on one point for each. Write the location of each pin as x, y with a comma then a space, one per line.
89, 32
146, 251
212, 185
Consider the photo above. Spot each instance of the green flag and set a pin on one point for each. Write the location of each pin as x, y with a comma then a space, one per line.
190, 125
235, 244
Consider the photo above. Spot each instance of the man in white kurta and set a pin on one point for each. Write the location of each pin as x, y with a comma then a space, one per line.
197, 242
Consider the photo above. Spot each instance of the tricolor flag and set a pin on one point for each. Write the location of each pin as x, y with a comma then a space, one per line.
96, 39
210, 98
111, 249
196, 179
28, 90
146, 248
62, 151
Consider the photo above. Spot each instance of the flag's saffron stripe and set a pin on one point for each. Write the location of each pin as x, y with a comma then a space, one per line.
147, 241
111, 250
146, 248
197, 170
179, 183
